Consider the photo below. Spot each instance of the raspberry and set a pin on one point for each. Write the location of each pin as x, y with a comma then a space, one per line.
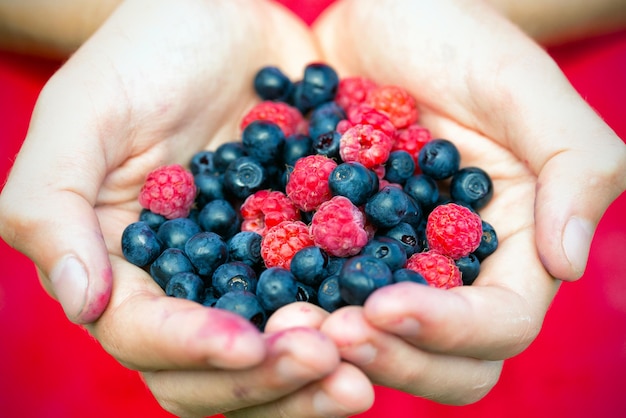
438, 270
338, 227
366, 145
266, 209
168, 191
288, 118
352, 91
307, 186
411, 139
453, 230
282, 241
395, 102
367, 115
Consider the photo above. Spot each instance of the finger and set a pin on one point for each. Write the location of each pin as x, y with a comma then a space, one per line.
47, 210
345, 392
576, 184
494, 319
146, 330
298, 314
295, 358
390, 361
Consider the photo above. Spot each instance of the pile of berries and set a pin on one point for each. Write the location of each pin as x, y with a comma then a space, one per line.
333, 191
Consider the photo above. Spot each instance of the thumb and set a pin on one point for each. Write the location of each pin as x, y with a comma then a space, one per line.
47, 211
574, 189
580, 164
58, 230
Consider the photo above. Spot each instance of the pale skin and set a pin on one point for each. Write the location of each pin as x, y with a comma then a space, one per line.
137, 96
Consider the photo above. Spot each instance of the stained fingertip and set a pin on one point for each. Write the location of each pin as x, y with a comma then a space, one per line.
231, 342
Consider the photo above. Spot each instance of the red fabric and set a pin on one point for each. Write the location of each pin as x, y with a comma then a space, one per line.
575, 368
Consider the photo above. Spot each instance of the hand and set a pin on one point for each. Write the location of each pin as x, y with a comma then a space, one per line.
158, 82
555, 165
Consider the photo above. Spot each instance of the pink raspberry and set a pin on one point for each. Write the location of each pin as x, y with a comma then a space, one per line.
307, 186
453, 230
395, 102
366, 115
412, 139
338, 227
366, 145
266, 209
169, 191
288, 118
282, 241
352, 91
438, 270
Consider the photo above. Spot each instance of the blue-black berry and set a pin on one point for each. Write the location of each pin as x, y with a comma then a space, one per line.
140, 244
439, 159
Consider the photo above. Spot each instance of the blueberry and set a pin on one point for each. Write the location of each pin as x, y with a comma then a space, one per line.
244, 176
360, 276
209, 298
206, 251
388, 250
245, 246
202, 162
469, 267
245, 304
186, 285
327, 144
414, 214
423, 189
473, 186
328, 294
263, 141
387, 207
306, 293
319, 85
408, 275
226, 154
399, 167
175, 232
234, 275
140, 244
420, 231
270, 83
219, 216
276, 288
354, 181
406, 235
325, 118
210, 187
309, 265
439, 159
488, 242
170, 262
334, 265
153, 220
296, 146
295, 98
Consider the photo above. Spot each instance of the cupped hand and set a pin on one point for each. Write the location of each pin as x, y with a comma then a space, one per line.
156, 83
555, 165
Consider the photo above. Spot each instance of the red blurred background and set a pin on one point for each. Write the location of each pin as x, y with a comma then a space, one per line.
575, 368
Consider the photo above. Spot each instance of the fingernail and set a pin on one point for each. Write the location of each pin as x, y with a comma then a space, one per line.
360, 355
324, 405
577, 237
291, 370
69, 282
407, 327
